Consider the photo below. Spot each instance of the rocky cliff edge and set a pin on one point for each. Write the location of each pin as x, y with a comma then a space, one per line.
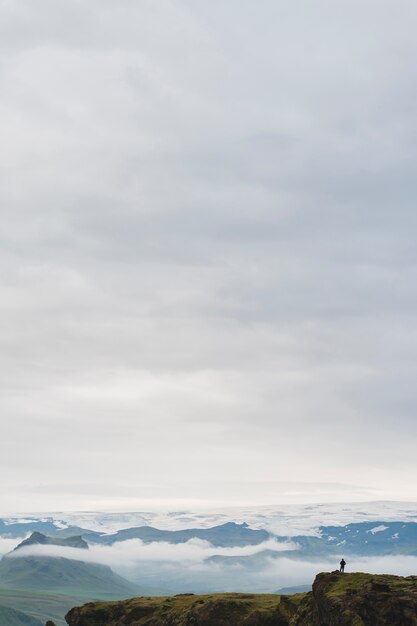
355, 599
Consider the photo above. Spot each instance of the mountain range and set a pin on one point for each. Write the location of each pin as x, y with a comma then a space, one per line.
234, 555
40, 539
360, 538
225, 535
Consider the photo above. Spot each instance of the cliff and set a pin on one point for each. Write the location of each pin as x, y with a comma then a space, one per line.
336, 600
359, 600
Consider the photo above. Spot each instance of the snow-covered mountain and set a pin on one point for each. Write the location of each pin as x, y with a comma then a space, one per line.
287, 520
253, 548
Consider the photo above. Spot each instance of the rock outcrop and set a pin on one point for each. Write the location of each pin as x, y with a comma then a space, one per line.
360, 599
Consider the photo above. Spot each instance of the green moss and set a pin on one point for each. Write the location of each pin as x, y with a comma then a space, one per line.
185, 610
336, 600
345, 582
357, 581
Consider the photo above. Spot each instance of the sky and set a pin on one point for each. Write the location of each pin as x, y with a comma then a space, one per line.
207, 253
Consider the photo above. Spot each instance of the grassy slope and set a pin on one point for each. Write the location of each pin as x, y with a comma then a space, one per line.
228, 608
337, 600
345, 583
47, 588
41, 606
64, 576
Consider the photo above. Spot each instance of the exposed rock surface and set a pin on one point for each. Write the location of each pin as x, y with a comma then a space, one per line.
336, 600
37, 539
360, 600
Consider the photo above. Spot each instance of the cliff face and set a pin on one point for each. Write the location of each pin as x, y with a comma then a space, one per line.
336, 600
360, 600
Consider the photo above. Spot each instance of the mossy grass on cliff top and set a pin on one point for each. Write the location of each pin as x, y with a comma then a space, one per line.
342, 584
355, 599
227, 608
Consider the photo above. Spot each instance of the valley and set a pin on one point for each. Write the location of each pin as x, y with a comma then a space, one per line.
52, 565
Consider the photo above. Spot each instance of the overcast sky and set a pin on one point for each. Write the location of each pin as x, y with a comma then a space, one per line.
208, 256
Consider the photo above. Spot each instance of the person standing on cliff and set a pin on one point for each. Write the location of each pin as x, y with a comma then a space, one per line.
342, 566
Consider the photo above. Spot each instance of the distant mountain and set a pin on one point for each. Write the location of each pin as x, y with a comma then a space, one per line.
20, 529
38, 538
10, 617
259, 560
47, 526
72, 531
65, 576
225, 535
289, 591
371, 538
40, 606
361, 539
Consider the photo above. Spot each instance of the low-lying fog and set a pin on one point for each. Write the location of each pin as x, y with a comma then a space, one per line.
161, 567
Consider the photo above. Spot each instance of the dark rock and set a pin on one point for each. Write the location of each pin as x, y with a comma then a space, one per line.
361, 600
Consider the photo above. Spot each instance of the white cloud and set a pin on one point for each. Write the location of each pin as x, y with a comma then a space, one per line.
185, 566
134, 551
207, 251
6, 545
294, 572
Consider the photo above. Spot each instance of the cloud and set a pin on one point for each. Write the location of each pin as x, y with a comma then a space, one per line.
208, 253
6, 545
289, 572
169, 568
134, 551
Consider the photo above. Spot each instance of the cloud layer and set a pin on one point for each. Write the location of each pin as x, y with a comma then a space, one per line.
134, 551
207, 252
162, 567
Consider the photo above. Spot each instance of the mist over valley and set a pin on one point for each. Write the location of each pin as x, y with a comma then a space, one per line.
109, 559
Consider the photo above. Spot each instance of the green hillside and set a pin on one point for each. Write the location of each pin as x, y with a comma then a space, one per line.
64, 576
182, 610
40, 606
228, 534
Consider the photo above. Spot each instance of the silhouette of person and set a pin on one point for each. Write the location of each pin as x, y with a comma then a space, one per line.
342, 566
